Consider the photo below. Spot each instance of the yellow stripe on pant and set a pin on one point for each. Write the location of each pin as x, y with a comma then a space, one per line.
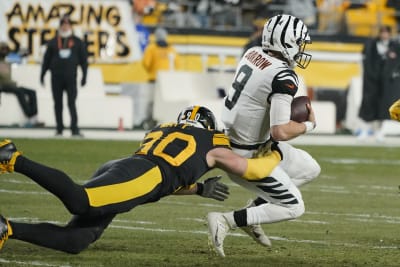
117, 193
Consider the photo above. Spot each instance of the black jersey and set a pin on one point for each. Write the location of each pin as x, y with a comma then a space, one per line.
65, 66
180, 152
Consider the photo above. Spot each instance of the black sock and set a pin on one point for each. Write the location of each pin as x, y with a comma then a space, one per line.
240, 217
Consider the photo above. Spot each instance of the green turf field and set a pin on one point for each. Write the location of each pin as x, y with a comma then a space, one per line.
352, 215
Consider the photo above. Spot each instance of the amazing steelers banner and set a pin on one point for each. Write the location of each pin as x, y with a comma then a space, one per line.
107, 27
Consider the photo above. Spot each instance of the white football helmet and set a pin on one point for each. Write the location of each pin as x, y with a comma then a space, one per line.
288, 35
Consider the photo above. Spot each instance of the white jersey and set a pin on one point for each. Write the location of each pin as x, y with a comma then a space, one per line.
246, 111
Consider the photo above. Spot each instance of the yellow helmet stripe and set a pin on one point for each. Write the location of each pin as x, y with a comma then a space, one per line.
194, 112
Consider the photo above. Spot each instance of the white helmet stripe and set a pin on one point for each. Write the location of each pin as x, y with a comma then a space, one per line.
283, 34
278, 18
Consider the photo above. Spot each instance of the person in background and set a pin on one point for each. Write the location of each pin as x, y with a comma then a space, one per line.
63, 55
381, 80
171, 159
159, 55
26, 97
139, 9
143, 34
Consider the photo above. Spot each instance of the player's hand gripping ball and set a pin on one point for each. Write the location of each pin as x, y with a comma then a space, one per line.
299, 108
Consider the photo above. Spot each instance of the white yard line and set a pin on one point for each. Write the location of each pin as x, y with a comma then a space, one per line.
31, 263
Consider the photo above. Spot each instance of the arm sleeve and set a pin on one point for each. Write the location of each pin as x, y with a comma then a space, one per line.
83, 58
280, 109
46, 60
259, 168
147, 57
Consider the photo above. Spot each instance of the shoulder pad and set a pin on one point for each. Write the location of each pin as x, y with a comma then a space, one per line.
285, 82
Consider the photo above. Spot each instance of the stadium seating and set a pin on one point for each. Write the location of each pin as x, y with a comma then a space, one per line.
95, 108
366, 21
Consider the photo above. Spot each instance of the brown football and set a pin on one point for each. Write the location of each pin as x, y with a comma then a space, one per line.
300, 111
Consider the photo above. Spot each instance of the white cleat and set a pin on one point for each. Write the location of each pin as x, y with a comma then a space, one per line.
257, 233
218, 228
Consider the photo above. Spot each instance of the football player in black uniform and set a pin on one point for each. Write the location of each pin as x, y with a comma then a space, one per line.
171, 158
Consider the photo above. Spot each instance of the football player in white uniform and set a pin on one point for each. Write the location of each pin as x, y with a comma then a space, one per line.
257, 109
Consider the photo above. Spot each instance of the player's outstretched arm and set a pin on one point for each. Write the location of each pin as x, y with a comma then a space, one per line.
250, 169
211, 188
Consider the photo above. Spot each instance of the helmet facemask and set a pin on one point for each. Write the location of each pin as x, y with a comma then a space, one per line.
302, 59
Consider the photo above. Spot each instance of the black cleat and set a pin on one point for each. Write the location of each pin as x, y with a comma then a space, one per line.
8, 156
5, 231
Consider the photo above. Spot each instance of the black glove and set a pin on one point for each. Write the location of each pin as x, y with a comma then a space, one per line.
211, 188
83, 81
275, 147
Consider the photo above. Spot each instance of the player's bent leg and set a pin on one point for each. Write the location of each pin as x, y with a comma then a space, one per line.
271, 213
301, 167
284, 200
255, 231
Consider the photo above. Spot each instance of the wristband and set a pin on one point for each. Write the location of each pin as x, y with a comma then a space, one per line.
309, 126
200, 188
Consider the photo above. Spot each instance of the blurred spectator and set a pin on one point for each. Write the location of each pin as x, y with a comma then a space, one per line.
331, 17
381, 81
256, 36
142, 31
158, 56
395, 4
305, 10
143, 34
143, 7
26, 97
202, 12
63, 55
224, 15
268, 8
179, 15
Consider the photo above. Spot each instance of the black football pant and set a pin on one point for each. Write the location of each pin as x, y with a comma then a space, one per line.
89, 222
26, 98
59, 85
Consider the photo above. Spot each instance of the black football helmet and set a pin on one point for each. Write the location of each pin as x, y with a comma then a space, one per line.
198, 116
